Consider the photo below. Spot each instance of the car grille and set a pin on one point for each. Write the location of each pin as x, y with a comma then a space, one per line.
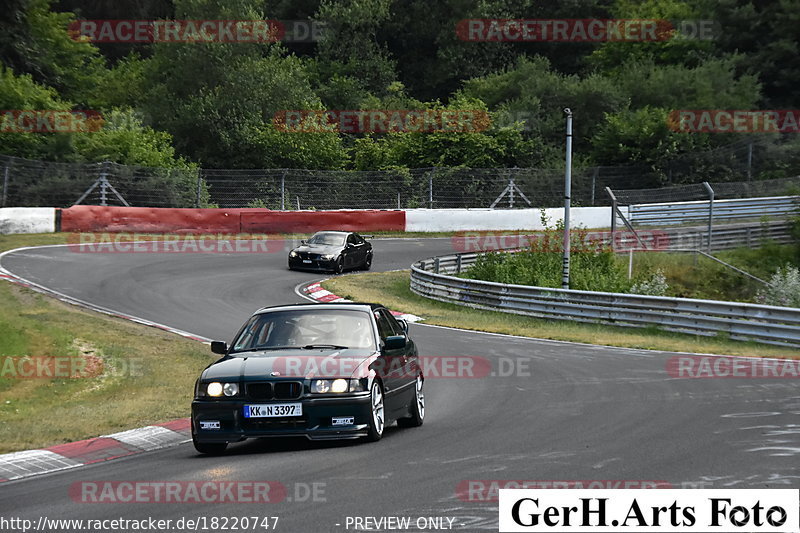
309, 255
274, 423
274, 390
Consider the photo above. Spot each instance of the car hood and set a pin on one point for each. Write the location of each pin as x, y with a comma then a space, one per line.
319, 248
291, 364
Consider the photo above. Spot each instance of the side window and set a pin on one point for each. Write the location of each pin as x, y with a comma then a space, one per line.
359, 238
384, 326
351, 239
397, 329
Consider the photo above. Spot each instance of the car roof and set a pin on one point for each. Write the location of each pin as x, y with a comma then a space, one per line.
334, 231
353, 306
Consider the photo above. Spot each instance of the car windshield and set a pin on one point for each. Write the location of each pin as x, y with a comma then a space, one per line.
330, 239
308, 328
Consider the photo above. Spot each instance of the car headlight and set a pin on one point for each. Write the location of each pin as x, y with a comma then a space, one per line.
216, 389
328, 257
324, 386
292, 254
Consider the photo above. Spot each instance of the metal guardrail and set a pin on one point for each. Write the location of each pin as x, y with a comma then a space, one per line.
682, 212
730, 236
432, 278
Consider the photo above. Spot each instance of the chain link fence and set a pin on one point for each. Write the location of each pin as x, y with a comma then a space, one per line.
756, 167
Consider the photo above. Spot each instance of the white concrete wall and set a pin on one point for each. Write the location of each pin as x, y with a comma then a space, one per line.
429, 220
27, 220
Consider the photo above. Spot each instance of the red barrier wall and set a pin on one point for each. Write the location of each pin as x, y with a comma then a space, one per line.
311, 221
85, 218
149, 219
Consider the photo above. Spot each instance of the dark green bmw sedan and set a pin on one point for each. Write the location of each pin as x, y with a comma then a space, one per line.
323, 371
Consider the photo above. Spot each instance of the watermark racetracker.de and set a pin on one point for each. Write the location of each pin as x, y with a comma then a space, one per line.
582, 241
68, 367
583, 30
49, 121
132, 243
195, 491
705, 367
734, 121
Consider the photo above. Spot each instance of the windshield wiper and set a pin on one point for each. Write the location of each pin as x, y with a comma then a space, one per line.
331, 346
264, 348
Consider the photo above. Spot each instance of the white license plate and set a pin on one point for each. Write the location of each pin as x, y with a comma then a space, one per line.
307, 261
272, 410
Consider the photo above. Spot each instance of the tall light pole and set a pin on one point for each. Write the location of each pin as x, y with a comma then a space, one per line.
567, 194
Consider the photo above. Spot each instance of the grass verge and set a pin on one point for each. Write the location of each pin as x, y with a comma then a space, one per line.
392, 290
146, 376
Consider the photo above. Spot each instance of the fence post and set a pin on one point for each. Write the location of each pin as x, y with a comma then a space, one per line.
458, 264
749, 160
430, 188
710, 192
398, 199
199, 185
595, 175
103, 183
283, 190
5, 186
613, 213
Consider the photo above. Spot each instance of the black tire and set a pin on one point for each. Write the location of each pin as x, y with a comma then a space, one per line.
209, 448
417, 407
338, 268
377, 421
368, 262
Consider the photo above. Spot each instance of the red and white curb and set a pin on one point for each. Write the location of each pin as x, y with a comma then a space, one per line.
317, 293
29, 463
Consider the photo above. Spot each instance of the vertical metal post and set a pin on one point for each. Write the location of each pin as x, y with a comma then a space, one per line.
630, 263
298, 202
283, 191
595, 175
430, 188
398, 199
567, 195
103, 184
5, 187
710, 214
511, 194
197, 191
749, 160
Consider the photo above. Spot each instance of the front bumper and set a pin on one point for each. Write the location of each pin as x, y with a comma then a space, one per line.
297, 263
315, 424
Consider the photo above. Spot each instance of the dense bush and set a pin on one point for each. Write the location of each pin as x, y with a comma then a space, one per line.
784, 288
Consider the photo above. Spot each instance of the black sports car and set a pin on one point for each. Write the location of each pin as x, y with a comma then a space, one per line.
323, 371
335, 251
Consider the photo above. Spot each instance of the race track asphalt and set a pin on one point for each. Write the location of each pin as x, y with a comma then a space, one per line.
568, 412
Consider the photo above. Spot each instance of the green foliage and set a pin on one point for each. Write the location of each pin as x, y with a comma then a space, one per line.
784, 288
593, 267
215, 102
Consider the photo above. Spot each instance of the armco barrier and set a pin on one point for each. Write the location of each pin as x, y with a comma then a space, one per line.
27, 220
429, 220
165, 220
742, 321
741, 208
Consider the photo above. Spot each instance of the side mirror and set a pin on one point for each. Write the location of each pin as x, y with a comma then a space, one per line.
303, 242
219, 347
403, 324
395, 342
